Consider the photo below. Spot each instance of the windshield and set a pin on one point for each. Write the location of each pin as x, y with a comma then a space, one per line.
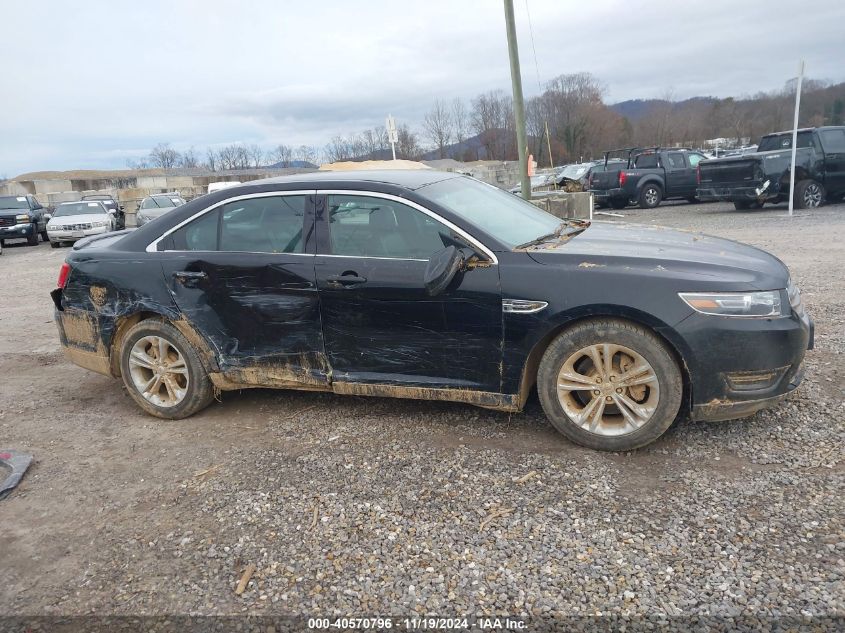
158, 203
13, 202
78, 208
506, 217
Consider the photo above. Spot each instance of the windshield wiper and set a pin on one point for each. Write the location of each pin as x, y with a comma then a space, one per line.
567, 228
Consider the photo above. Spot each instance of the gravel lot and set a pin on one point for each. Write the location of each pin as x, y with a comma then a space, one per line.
360, 506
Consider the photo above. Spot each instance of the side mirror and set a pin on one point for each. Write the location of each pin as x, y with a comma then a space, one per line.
441, 269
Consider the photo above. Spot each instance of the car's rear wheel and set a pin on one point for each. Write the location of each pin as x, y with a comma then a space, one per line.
609, 384
809, 194
650, 196
54, 244
163, 372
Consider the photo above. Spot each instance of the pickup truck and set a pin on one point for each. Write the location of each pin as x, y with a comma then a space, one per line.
751, 180
651, 175
22, 218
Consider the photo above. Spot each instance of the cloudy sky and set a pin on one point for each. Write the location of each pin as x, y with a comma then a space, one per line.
93, 84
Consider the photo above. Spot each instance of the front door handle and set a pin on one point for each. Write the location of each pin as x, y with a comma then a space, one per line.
345, 281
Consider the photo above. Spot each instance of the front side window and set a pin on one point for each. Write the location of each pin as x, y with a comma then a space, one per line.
271, 224
363, 226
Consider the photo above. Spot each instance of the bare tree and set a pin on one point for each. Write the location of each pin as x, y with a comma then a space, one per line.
408, 145
189, 158
338, 149
212, 160
492, 120
137, 164
162, 155
307, 154
255, 156
280, 156
460, 121
438, 126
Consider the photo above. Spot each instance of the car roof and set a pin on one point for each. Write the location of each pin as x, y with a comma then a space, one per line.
407, 178
61, 204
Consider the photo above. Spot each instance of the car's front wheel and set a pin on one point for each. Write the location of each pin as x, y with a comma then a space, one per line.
610, 384
163, 372
32, 238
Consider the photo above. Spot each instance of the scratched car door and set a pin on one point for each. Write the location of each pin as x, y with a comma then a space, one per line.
380, 325
243, 274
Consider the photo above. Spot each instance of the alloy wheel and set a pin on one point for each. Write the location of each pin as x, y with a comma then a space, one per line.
608, 389
158, 371
651, 196
812, 196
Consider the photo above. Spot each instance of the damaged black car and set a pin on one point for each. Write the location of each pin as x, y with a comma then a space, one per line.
429, 285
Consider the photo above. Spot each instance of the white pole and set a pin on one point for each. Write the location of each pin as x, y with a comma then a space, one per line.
795, 135
393, 147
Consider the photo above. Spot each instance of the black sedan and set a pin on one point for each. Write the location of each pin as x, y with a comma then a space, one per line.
428, 285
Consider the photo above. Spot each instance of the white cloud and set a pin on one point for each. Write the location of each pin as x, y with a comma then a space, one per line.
90, 84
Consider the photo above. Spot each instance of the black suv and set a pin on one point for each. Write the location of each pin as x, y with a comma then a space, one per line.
22, 218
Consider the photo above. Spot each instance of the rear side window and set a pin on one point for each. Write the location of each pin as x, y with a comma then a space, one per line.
833, 141
254, 225
676, 160
646, 161
694, 159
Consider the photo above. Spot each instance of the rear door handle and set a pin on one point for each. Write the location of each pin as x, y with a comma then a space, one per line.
186, 274
345, 281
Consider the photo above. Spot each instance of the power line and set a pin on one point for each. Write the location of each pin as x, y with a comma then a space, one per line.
533, 48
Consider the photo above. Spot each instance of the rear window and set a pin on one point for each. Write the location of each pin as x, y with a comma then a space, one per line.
784, 141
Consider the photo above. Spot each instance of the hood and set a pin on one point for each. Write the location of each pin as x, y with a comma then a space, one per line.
81, 218
154, 213
696, 260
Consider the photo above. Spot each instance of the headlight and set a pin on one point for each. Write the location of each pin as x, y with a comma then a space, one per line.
53, 228
735, 304
23, 218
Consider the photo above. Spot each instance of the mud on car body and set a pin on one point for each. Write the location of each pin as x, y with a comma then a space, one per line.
428, 285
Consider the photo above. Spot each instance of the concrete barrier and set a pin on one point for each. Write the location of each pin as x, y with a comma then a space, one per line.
566, 205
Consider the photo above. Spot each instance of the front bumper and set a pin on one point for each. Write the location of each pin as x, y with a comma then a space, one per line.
743, 365
72, 236
16, 232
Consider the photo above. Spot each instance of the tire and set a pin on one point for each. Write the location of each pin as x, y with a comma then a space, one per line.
809, 194
54, 245
660, 397
650, 196
693, 200
618, 203
194, 381
44, 236
32, 240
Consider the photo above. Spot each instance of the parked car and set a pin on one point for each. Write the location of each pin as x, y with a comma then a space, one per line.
430, 285
157, 205
112, 205
650, 176
72, 221
22, 218
751, 180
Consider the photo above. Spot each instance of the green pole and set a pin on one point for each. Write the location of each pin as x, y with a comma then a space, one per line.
518, 105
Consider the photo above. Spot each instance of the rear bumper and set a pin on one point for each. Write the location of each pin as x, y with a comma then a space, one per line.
732, 194
79, 335
604, 195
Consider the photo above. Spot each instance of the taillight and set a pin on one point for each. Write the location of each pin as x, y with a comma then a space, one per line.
64, 271
622, 178
698, 174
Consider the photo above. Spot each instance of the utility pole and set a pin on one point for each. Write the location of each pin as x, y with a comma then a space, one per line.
795, 135
518, 105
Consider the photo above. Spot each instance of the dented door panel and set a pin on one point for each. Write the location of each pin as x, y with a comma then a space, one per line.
257, 309
388, 330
